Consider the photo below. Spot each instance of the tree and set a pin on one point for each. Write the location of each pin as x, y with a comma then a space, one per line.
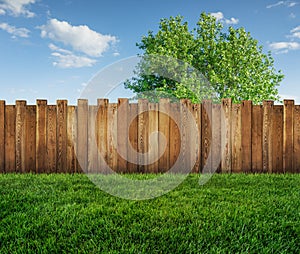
231, 61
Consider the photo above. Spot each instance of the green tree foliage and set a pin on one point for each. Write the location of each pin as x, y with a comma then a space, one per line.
231, 61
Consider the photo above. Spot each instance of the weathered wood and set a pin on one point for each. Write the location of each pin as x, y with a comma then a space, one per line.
296, 155
92, 144
267, 136
164, 129
226, 135
185, 136
288, 135
196, 110
2, 136
10, 139
82, 135
51, 139
41, 136
143, 135
61, 148
20, 136
216, 138
256, 137
153, 133
31, 130
277, 139
112, 141
122, 133
206, 135
246, 115
71, 139
133, 138
102, 135
236, 135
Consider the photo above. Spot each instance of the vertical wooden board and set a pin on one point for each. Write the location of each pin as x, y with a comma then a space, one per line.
226, 135
133, 139
236, 134
277, 139
20, 136
10, 139
256, 133
153, 133
41, 136
196, 110
122, 132
2, 136
185, 136
288, 135
71, 140
102, 135
246, 112
164, 129
51, 139
143, 135
61, 148
267, 136
112, 141
216, 138
206, 135
92, 144
31, 138
296, 165
82, 135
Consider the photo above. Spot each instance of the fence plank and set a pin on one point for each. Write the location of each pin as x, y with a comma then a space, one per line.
20, 136
102, 134
206, 135
122, 132
267, 136
216, 138
185, 135
71, 139
153, 133
246, 115
10, 139
164, 129
236, 135
277, 138
82, 135
51, 139
196, 110
133, 138
226, 135
61, 151
31, 129
296, 165
41, 136
2, 136
256, 133
112, 141
288, 135
143, 135
92, 137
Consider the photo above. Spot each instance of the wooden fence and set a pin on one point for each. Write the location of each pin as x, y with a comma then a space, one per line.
60, 138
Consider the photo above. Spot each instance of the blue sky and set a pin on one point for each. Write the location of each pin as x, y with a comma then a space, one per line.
51, 49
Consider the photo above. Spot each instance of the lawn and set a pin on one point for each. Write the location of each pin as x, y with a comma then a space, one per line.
230, 214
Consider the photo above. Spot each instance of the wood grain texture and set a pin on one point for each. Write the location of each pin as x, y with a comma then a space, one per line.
277, 139
133, 138
10, 139
246, 115
41, 136
122, 132
143, 134
296, 138
153, 133
226, 135
236, 134
2, 136
112, 141
31, 130
82, 135
216, 138
92, 137
256, 137
196, 110
71, 140
288, 135
206, 135
51, 139
267, 136
20, 136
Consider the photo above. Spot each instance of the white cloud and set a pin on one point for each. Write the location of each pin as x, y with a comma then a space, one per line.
284, 47
296, 32
80, 38
17, 7
220, 17
284, 3
67, 59
292, 15
15, 32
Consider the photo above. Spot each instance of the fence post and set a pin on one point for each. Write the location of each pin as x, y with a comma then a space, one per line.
288, 135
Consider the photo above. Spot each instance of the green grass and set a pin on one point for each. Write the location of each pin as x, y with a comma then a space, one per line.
230, 214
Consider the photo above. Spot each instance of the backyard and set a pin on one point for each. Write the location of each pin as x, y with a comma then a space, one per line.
232, 213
